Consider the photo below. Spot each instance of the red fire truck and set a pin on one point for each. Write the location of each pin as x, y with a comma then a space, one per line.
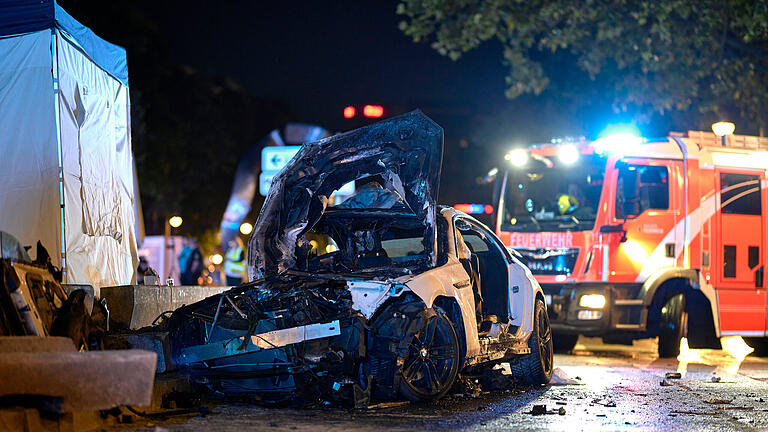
635, 238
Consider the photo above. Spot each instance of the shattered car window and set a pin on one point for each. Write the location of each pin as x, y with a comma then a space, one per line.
361, 240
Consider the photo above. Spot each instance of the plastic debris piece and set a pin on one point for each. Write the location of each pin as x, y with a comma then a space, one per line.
673, 375
715, 379
665, 383
561, 411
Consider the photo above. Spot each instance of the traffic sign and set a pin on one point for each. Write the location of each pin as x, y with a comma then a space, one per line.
275, 158
265, 181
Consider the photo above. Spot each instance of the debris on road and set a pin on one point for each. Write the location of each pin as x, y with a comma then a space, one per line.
715, 401
673, 375
560, 377
538, 410
466, 386
665, 383
715, 379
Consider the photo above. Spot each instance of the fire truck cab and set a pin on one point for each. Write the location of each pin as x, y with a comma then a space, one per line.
636, 238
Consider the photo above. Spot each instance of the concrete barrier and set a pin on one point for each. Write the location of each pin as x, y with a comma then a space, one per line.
136, 306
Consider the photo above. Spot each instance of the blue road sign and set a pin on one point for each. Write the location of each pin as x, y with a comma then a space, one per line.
275, 158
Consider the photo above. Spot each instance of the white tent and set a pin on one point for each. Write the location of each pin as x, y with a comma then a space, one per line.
66, 165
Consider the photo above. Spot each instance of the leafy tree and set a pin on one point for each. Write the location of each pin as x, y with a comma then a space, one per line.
653, 56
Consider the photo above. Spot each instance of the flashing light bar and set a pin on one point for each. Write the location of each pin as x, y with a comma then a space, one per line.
618, 144
474, 208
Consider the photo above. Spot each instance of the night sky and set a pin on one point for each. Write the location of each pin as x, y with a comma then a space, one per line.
318, 57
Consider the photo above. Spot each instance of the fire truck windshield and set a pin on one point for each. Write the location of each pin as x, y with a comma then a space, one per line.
548, 195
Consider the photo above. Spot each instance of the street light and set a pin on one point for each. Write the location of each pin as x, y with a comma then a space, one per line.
246, 228
723, 129
175, 221
517, 157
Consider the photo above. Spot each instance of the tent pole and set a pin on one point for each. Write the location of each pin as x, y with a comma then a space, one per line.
55, 72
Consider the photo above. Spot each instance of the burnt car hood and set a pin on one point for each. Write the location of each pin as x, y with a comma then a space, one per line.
405, 151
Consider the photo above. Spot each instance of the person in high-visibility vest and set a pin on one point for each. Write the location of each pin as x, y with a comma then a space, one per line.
234, 262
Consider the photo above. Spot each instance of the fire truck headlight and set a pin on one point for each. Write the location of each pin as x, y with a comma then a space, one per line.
593, 301
518, 157
568, 154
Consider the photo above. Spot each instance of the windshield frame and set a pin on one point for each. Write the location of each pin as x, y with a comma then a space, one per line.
527, 220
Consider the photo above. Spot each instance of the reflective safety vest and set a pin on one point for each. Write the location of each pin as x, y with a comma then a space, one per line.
234, 266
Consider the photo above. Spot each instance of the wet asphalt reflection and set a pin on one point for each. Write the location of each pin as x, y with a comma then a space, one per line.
616, 388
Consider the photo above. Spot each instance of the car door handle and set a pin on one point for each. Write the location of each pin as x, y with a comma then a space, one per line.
759, 278
462, 284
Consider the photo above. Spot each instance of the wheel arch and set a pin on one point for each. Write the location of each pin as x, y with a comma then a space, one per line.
651, 286
669, 283
452, 308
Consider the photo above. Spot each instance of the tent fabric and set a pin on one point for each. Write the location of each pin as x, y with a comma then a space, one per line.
86, 137
98, 170
110, 57
29, 166
24, 16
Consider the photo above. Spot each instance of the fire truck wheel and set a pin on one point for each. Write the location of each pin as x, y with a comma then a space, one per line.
563, 343
536, 368
672, 327
760, 346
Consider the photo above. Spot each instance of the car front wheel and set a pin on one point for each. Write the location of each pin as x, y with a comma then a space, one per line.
536, 368
432, 363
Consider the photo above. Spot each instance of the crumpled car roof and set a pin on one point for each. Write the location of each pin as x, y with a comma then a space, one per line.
405, 151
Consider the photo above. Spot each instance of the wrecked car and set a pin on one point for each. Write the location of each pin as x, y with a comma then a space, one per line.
385, 295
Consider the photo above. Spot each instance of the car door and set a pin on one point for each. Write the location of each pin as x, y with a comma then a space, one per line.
740, 252
503, 277
645, 208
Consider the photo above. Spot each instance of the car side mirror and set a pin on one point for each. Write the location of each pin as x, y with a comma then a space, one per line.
608, 229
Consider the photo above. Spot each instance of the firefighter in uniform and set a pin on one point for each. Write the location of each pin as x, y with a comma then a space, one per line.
234, 262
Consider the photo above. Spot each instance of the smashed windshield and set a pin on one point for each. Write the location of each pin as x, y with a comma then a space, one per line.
549, 195
366, 241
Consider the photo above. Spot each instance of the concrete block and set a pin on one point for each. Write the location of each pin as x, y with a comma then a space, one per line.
86, 381
32, 344
136, 306
156, 342
29, 419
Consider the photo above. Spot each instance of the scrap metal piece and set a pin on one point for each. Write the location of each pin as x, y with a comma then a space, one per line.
258, 342
367, 296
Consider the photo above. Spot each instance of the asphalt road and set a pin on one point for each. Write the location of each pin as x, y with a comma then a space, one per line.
616, 388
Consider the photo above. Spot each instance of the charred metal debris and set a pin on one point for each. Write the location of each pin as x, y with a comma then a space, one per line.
404, 152
296, 338
34, 302
327, 328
